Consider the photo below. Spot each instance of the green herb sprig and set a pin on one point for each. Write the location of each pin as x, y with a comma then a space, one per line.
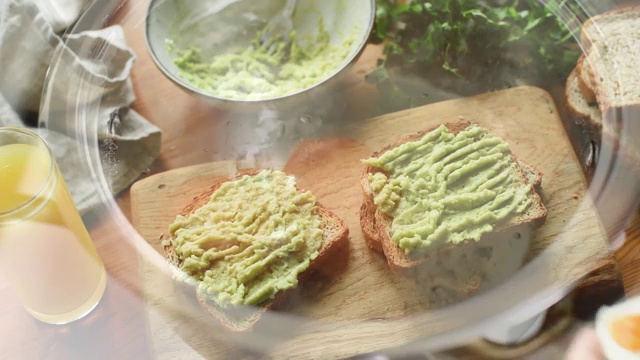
451, 33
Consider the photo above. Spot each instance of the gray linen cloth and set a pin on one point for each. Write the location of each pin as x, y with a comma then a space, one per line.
29, 48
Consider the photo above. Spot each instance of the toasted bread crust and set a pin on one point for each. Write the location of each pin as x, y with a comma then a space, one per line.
329, 253
371, 218
368, 225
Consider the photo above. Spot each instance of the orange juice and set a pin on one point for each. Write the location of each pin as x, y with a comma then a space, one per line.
45, 250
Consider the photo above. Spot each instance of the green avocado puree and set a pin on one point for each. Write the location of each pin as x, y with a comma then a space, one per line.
446, 188
251, 240
256, 73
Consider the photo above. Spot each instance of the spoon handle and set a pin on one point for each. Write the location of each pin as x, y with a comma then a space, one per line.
289, 8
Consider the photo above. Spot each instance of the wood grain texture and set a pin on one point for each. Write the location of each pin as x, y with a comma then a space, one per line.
331, 168
183, 118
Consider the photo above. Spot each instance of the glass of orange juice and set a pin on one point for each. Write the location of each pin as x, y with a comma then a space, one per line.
46, 252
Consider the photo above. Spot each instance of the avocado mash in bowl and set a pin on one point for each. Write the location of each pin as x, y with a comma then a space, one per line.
212, 48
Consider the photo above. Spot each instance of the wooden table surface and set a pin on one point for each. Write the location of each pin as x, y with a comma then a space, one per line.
186, 120
118, 328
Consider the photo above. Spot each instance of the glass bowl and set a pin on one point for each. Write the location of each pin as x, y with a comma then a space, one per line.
588, 184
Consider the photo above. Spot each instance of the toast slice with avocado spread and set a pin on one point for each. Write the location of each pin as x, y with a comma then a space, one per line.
444, 187
368, 208
249, 241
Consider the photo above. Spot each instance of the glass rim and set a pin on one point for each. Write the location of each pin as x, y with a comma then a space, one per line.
43, 187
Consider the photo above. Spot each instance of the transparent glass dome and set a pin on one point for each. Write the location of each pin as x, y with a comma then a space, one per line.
150, 141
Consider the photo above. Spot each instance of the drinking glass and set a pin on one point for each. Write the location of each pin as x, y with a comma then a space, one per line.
46, 252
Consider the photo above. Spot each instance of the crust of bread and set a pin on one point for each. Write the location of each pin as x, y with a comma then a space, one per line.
244, 318
368, 225
583, 73
375, 224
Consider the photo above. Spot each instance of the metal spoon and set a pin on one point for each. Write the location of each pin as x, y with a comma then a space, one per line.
277, 33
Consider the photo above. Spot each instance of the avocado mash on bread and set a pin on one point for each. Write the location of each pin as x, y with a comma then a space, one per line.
251, 238
442, 187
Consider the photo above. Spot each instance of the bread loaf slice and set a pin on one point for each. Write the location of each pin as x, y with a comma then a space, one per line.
243, 318
612, 44
578, 105
377, 225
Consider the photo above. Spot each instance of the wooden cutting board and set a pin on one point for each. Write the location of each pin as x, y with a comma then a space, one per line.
526, 117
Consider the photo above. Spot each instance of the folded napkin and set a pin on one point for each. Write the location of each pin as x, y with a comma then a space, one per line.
87, 96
